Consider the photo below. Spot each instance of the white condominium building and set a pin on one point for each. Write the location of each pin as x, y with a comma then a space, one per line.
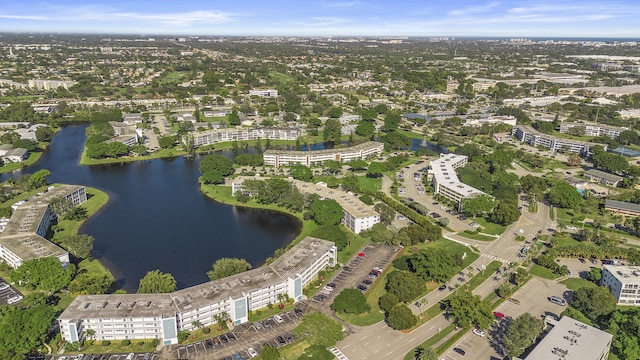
533, 137
445, 180
271, 93
162, 316
23, 237
208, 137
624, 282
593, 129
362, 151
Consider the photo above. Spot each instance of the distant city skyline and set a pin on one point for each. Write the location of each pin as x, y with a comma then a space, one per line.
458, 18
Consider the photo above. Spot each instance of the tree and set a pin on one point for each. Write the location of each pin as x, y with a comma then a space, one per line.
221, 319
432, 264
45, 274
23, 329
405, 285
565, 196
505, 213
467, 309
365, 129
350, 301
44, 133
425, 353
521, 333
376, 169
478, 204
79, 245
327, 212
594, 301
88, 283
268, 352
234, 118
39, 178
335, 112
533, 184
319, 329
391, 121
301, 172
386, 212
226, 267
396, 140
519, 276
332, 131
627, 137
166, 142
401, 318
387, 301
156, 282
595, 274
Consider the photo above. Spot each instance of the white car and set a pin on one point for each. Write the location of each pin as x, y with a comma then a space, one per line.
278, 319
328, 288
478, 332
4, 286
252, 352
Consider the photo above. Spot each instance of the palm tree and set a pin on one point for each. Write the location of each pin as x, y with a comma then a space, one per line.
221, 319
282, 298
90, 333
196, 324
426, 353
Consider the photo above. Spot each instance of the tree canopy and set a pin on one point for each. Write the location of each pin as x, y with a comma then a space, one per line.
327, 212
594, 301
401, 317
23, 329
319, 329
156, 282
405, 285
565, 196
350, 301
214, 167
45, 274
521, 333
467, 309
226, 267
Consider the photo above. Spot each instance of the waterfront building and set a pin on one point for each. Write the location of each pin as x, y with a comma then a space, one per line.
162, 316
23, 237
445, 181
208, 137
362, 151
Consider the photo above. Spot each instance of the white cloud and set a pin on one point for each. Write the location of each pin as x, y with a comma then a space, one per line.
340, 4
473, 9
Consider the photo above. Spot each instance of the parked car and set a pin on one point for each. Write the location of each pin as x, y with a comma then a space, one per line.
367, 282
281, 340
252, 352
557, 300
443, 287
498, 314
362, 288
278, 319
459, 351
478, 332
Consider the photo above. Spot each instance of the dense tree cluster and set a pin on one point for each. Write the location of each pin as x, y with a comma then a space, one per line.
44, 274
226, 267
155, 282
214, 168
350, 301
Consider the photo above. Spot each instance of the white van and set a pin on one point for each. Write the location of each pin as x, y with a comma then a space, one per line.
557, 300
131, 356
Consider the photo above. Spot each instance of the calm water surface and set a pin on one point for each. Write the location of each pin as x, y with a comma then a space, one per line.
157, 218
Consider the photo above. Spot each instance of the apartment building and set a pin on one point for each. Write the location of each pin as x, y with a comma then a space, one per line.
23, 237
491, 120
624, 283
362, 151
208, 137
592, 129
270, 93
570, 339
531, 136
603, 177
445, 181
622, 208
162, 316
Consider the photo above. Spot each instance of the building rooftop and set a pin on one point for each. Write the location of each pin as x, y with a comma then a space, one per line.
571, 340
26, 218
615, 204
625, 274
445, 174
30, 246
298, 257
349, 202
364, 146
603, 175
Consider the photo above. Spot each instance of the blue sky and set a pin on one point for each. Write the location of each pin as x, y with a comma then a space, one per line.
536, 18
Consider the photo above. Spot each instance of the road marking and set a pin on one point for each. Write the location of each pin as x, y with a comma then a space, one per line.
412, 339
364, 337
339, 355
432, 327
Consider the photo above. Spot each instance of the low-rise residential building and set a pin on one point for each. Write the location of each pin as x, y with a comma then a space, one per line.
533, 137
162, 316
570, 339
492, 120
603, 177
592, 129
128, 140
624, 283
362, 151
208, 137
622, 208
445, 181
270, 93
15, 155
23, 236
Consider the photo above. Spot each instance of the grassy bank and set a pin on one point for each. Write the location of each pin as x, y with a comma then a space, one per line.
162, 153
32, 159
96, 199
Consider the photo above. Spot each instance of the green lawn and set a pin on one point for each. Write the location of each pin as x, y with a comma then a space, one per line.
116, 346
489, 227
372, 184
577, 283
280, 77
96, 200
484, 275
476, 236
161, 153
543, 272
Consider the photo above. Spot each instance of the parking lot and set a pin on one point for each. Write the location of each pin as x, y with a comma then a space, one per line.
276, 331
358, 271
8, 294
531, 298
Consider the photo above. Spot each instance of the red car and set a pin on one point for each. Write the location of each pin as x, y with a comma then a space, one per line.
498, 314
